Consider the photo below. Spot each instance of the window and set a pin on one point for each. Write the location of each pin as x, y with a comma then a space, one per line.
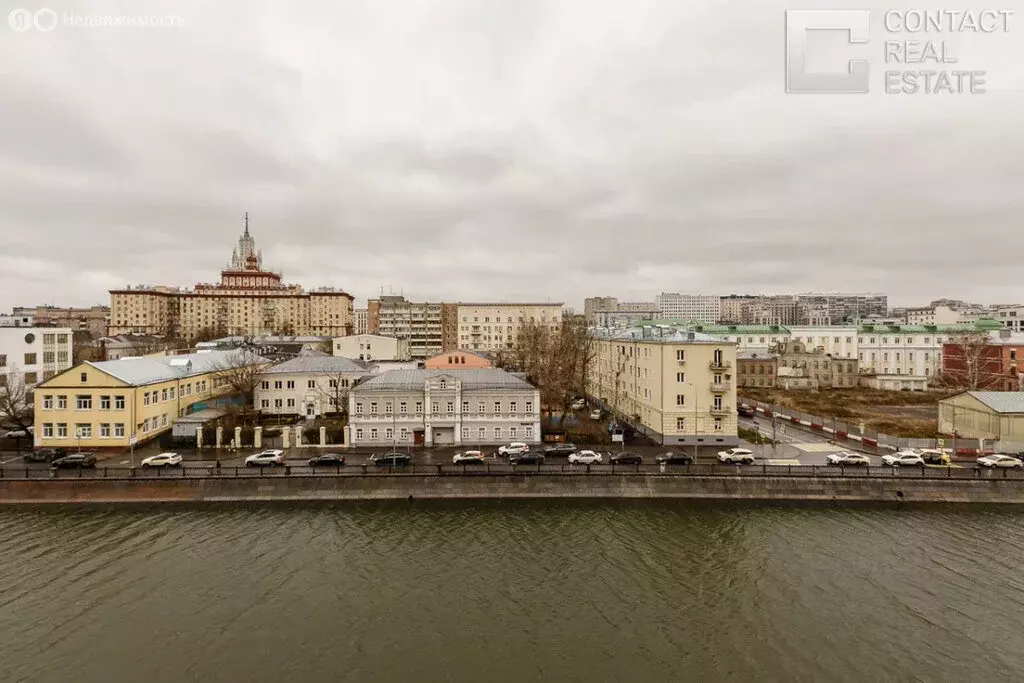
680, 377
62, 430
31, 378
388, 407
373, 407
481, 433
480, 407
47, 430
389, 433
278, 403
104, 403
680, 423
419, 407
465, 433
265, 385
163, 395
83, 431
48, 402
48, 358
30, 359
497, 406
529, 407
451, 407
512, 407
718, 424
359, 434
497, 432
119, 430
83, 402
374, 434
529, 431
163, 420
465, 406
311, 384
442, 384
512, 433
265, 403
278, 384
403, 407
119, 403
145, 399
333, 383
170, 393
291, 384
681, 354
680, 399
291, 403
404, 433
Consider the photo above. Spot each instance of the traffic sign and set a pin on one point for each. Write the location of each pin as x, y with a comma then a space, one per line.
132, 440
617, 438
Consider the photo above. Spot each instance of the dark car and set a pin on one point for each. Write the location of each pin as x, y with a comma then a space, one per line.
332, 459
626, 458
746, 411
674, 458
560, 449
393, 458
45, 454
76, 460
529, 457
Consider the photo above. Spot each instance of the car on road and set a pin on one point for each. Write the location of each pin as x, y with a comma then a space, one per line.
845, 458
75, 460
745, 411
674, 458
560, 449
595, 414
1000, 460
162, 460
584, 458
468, 458
626, 458
391, 458
902, 459
579, 404
526, 458
45, 454
326, 460
268, 457
512, 448
737, 455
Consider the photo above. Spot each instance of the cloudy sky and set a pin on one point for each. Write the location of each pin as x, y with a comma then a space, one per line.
497, 150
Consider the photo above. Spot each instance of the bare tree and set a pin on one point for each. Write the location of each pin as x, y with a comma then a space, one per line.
332, 386
556, 361
240, 370
208, 333
16, 407
971, 362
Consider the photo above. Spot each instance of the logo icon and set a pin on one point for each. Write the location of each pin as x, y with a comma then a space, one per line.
20, 19
798, 23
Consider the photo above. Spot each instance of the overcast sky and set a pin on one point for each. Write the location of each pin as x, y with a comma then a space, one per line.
499, 150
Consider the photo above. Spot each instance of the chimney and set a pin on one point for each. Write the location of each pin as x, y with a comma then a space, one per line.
690, 336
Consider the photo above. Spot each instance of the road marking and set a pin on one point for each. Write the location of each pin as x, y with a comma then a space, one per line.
783, 462
4, 462
815, 447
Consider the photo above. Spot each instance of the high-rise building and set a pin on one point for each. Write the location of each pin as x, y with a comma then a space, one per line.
697, 307
393, 315
360, 325
248, 300
492, 326
593, 304
835, 309
731, 308
769, 310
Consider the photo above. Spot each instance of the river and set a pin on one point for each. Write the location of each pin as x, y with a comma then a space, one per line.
515, 591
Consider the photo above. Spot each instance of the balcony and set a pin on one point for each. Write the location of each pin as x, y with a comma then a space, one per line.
721, 364
722, 387
720, 410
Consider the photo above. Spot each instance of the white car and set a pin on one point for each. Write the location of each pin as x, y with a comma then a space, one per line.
584, 457
903, 458
270, 457
737, 455
513, 449
162, 460
468, 457
846, 458
1000, 460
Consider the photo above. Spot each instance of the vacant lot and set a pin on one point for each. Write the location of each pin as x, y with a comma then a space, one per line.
898, 413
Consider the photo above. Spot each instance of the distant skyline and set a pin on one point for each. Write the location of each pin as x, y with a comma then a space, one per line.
488, 150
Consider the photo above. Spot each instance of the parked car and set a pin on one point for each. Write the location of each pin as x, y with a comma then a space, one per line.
75, 460
468, 458
512, 448
327, 460
45, 454
269, 457
392, 458
595, 414
844, 458
737, 455
526, 458
560, 449
746, 411
625, 458
579, 404
1000, 460
162, 460
902, 459
584, 457
18, 433
674, 458
935, 457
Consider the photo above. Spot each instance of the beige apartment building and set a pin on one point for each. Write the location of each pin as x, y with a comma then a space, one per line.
492, 326
107, 404
310, 384
420, 322
371, 347
248, 300
673, 384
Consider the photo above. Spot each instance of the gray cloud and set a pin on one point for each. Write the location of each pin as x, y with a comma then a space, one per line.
478, 149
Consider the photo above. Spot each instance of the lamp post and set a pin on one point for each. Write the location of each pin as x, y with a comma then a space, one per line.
78, 438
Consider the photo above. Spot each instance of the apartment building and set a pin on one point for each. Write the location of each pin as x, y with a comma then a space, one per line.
990, 362
673, 384
834, 309
803, 367
372, 347
769, 310
1011, 317
113, 404
21, 316
940, 315
593, 304
731, 308
419, 322
311, 384
697, 307
492, 326
444, 407
30, 355
360, 326
249, 299
92, 319
756, 369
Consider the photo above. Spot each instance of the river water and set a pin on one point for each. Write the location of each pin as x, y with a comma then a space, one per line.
510, 591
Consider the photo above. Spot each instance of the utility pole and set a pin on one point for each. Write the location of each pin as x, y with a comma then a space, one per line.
775, 443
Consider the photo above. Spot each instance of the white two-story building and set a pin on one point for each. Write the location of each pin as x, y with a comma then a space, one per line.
310, 384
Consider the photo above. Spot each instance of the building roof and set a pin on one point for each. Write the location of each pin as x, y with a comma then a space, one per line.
714, 329
510, 303
315, 364
138, 371
752, 354
479, 378
1001, 401
272, 339
659, 334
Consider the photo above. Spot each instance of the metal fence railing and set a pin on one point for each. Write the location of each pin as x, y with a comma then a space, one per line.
505, 469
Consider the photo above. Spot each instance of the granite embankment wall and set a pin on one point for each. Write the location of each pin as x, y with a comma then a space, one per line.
382, 487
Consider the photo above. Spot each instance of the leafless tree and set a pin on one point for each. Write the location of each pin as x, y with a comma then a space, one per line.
16, 407
332, 386
555, 360
240, 370
208, 334
971, 362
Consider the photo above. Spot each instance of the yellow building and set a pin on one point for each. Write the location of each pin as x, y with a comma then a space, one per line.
492, 326
674, 385
104, 404
248, 300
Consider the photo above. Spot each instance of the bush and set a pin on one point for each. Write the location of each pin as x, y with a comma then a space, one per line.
248, 437
311, 435
209, 436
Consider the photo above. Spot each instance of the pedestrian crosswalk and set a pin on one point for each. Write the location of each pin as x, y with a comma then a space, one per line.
791, 461
816, 447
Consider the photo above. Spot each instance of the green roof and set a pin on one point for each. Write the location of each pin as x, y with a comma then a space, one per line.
982, 325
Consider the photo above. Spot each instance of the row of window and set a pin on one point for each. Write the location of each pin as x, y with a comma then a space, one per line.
33, 358
497, 319
681, 424
290, 402
59, 430
403, 407
83, 402
404, 433
310, 384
